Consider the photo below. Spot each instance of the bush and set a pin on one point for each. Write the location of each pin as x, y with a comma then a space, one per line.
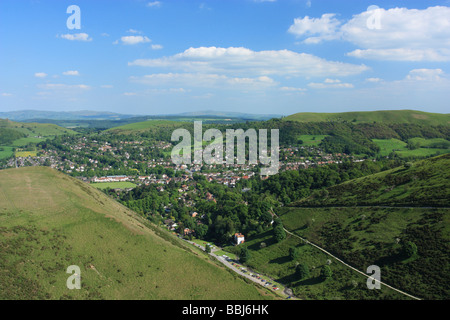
326, 273
302, 271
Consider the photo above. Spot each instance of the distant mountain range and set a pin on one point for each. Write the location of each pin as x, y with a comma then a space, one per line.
27, 115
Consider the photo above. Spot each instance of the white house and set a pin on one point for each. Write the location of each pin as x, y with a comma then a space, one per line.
239, 238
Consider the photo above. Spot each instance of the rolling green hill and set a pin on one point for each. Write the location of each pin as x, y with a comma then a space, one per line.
50, 221
419, 184
395, 116
371, 220
23, 133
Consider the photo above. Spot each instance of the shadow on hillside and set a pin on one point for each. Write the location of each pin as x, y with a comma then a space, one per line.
280, 260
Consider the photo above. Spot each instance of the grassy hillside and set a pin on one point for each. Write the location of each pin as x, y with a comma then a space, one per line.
272, 258
419, 184
370, 220
50, 221
396, 116
25, 133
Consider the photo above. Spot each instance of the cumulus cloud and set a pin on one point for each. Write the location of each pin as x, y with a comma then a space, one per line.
316, 29
243, 61
397, 34
76, 37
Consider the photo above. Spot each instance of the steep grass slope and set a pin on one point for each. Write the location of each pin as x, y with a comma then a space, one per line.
49, 221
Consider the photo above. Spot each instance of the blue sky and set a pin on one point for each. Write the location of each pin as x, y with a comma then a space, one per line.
254, 56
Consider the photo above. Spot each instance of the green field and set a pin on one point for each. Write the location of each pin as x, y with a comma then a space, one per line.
22, 142
312, 140
5, 152
113, 185
394, 116
388, 146
66, 222
426, 149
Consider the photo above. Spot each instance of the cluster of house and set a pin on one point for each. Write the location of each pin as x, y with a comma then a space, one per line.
111, 179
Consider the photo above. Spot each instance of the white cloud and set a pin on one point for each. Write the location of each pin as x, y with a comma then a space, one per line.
71, 73
5, 94
293, 90
397, 34
133, 40
242, 61
324, 28
154, 4
331, 83
374, 80
204, 80
134, 31
157, 46
425, 75
76, 37
129, 93
59, 86
106, 86
40, 74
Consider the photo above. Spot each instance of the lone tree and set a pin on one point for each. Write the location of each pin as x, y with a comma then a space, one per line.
326, 272
302, 271
207, 248
293, 253
244, 255
279, 233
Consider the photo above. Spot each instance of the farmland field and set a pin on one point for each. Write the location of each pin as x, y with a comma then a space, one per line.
113, 185
25, 154
312, 140
389, 145
5, 152
425, 149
